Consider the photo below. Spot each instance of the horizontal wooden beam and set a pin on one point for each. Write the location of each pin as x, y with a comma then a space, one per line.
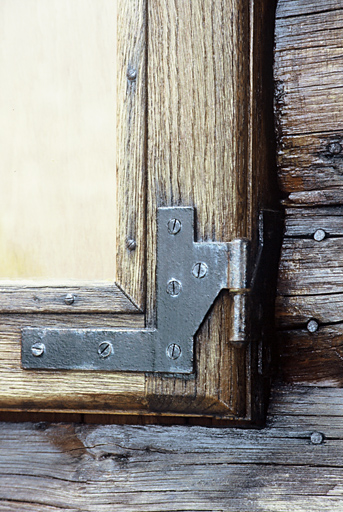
56, 467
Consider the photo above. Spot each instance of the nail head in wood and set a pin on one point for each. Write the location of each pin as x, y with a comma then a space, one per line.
319, 235
317, 438
312, 325
69, 299
335, 148
131, 74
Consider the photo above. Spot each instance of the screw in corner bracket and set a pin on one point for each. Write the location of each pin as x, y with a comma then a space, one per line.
199, 270
174, 226
173, 351
105, 349
38, 349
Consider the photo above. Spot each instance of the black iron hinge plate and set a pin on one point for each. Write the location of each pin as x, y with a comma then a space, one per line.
189, 275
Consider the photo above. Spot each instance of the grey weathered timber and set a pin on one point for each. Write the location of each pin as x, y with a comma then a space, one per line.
56, 467
293, 8
78, 298
309, 112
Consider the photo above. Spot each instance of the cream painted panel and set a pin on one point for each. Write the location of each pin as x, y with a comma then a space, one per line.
57, 139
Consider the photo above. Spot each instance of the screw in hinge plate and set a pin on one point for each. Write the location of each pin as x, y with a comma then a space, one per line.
173, 351
174, 287
38, 349
199, 270
174, 226
105, 349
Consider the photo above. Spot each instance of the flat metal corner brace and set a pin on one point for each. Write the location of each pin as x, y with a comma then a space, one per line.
189, 277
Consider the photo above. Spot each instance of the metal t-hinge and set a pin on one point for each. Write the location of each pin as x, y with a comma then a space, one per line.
189, 276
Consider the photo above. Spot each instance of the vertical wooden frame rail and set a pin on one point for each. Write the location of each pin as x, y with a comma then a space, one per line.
208, 144
194, 129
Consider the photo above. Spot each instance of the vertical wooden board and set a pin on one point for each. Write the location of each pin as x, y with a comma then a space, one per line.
201, 153
308, 99
131, 148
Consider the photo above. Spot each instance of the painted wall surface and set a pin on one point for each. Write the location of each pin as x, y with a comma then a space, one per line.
57, 139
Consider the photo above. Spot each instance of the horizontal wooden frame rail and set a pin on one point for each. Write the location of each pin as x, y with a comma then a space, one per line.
194, 129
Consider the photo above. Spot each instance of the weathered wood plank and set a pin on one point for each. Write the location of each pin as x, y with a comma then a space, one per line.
297, 8
304, 222
91, 298
110, 468
131, 148
296, 311
312, 358
309, 267
194, 159
329, 196
65, 391
311, 162
308, 70
309, 108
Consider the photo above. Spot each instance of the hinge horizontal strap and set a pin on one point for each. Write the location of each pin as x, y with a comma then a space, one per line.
189, 277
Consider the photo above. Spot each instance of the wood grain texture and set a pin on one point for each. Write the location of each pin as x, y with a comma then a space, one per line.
293, 8
308, 71
310, 287
131, 148
115, 468
203, 125
308, 267
194, 121
65, 391
313, 358
93, 298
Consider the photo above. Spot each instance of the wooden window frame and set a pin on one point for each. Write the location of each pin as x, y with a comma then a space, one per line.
194, 129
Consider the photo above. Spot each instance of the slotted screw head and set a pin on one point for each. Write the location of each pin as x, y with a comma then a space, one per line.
105, 349
174, 226
38, 349
319, 235
174, 287
199, 270
131, 244
312, 325
173, 351
69, 299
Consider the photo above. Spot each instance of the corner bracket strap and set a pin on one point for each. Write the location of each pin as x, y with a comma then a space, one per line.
189, 277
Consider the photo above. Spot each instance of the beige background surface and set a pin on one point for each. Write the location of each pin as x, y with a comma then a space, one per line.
57, 139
